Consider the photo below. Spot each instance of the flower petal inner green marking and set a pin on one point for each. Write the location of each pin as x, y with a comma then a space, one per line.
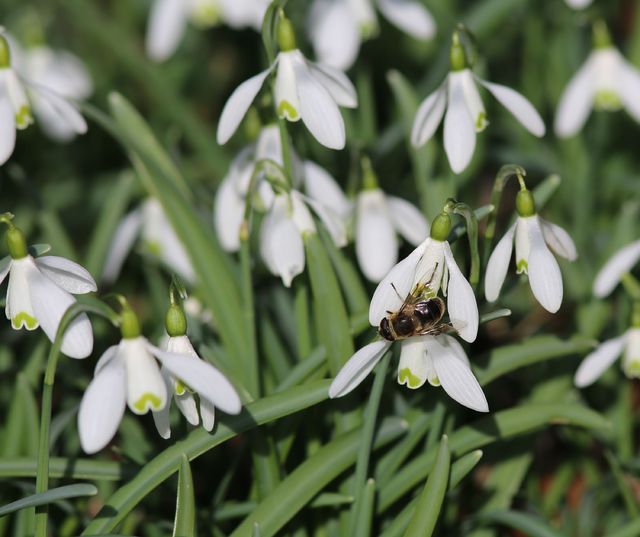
24, 319
287, 110
148, 401
24, 117
607, 100
405, 376
632, 367
481, 121
522, 266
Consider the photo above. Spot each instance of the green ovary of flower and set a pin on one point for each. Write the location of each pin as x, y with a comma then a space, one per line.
24, 117
24, 319
148, 400
405, 376
607, 100
286, 110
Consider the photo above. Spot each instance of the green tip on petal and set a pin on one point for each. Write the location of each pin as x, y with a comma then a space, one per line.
148, 401
607, 100
522, 266
525, 204
441, 227
24, 117
287, 111
405, 376
24, 319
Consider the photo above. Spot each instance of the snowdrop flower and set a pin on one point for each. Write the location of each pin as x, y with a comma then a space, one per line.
168, 20
150, 223
303, 90
533, 239
220, 393
606, 81
619, 264
40, 292
127, 374
578, 4
284, 229
337, 27
458, 100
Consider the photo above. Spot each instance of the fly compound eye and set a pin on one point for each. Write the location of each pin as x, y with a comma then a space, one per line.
384, 330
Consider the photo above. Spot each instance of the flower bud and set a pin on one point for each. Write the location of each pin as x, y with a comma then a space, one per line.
129, 324
286, 34
525, 204
175, 321
5, 53
456, 55
441, 227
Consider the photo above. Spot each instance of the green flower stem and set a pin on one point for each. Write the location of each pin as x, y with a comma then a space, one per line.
471, 221
366, 443
303, 322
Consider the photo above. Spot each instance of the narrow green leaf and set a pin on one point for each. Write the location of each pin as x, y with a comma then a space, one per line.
67, 467
50, 496
429, 504
185, 521
529, 524
365, 513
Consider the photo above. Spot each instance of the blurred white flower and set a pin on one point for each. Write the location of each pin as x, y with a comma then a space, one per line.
168, 20
127, 374
578, 4
303, 90
533, 238
337, 27
458, 100
606, 81
219, 391
150, 223
611, 273
40, 292
597, 362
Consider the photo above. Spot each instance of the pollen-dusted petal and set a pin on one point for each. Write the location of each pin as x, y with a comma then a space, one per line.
558, 240
598, 361
456, 377
410, 16
629, 88
334, 33
576, 101
7, 124
146, 389
413, 368
459, 126
357, 368
518, 105
621, 262
408, 220
545, 277
429, 116
321, 186
498, 265
237, 105
228, 213
336, 83
461, 301
167, 22
72, 277
121, 244
376, 242
286, 90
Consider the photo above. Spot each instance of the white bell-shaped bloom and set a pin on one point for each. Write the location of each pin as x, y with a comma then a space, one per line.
431, 263
168, 20
578, 4
619, 264
458, 100
150, 223
127, 374
284, 229
379, 218
598, 361
534, 237
40, 292
303, 90
439, 359
337, 27
606, 81
220, 393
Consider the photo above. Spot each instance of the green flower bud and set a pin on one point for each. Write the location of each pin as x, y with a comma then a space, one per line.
129, 324
441, 227
369, 179
16, 243
286, 34
601, 37
5, 53
525, 204
456, 55
175, 321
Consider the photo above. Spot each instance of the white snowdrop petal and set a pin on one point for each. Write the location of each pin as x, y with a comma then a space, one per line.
578, 4
576, 101
410, 16
186, 403
66, 274
376, 242
102, 407
237, 105
558, 240
334, 33
598, 361
5, 267
167, 22
545, 277
286, 86
336, 83
518, 105
228, 212
459, 127
161, 418
121, 244
498, 265
408, 220
146, 389
461, 301
357, 368
63, 112
413, 368
395, 286
621, 262
7, 127
208, 414
331, 220
321, 186
455, 347
455, 376
429, 116
629, 88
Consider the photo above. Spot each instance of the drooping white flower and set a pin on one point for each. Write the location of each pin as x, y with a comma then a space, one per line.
578, 4
303, 90
598, 361
458, 100
168, 20
611, 273
40, 291
150, 223
606, 81
534, 237
379, 218
220, 393
337, 27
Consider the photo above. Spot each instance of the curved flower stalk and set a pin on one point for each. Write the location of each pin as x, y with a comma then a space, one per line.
41, 290
127, 374
606, 81
612, 272
168, 20
337, 27
150, 223
458, 100
303, 90
534, 237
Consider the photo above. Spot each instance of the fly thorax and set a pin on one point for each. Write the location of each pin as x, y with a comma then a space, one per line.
607, 69
286, 90
631, 360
